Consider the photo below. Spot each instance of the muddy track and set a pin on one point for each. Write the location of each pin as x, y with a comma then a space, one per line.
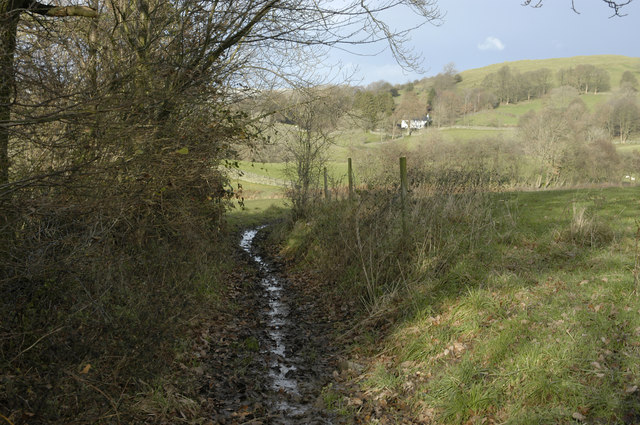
270, 361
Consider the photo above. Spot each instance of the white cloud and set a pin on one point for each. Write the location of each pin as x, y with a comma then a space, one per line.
491, 43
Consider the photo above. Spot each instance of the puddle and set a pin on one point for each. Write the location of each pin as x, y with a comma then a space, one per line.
281, 361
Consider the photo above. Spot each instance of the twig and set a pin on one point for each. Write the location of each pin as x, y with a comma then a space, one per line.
269, 416
5, 418
37, 341
113, 403
571, 336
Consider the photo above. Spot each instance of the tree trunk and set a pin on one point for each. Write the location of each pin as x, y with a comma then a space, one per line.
9, 15
8, 30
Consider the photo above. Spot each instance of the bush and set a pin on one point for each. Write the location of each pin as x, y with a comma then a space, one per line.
96, 297
375, 249
586, 230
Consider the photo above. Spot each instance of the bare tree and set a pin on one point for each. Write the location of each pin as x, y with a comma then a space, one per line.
306, 144
10, 11
615, 5
213, 41
629, 81
447, 107
621, 116
545, 133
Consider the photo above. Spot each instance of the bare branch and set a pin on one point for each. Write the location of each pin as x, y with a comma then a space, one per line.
83, 11
615, 5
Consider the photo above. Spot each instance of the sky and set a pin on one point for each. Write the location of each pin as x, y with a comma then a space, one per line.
476, 33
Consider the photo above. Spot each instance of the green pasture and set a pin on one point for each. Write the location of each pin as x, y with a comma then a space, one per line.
503, 116
539, 326
256, 212
628, 148
251, 190
274, 170
509, 115
467, 134
616, 65
593, 100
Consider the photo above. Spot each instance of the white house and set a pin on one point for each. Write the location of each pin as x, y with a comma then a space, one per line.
416, 123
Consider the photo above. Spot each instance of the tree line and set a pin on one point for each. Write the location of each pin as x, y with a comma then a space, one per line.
441, 96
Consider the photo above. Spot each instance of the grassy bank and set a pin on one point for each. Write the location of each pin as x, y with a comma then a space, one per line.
508, 308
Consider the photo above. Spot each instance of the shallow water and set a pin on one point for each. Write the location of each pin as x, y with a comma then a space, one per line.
282, 366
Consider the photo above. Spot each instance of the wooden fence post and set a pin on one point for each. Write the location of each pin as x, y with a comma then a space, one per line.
326, 185
350, 172
403, 192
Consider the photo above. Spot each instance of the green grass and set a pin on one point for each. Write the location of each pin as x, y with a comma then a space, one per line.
628, 148
356, 137
509, 115
257, 212
541, 325
467, 134
505, 115
593, 100
616, 65
337, 168
252, 190
274, 170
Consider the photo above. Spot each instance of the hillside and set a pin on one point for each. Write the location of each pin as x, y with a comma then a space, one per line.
614, 64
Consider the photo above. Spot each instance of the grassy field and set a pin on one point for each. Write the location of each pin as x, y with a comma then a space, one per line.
509, 115
274, 170
628, 148
466, 134
256, 212
540, 326
504, 116
487, 124
616, 65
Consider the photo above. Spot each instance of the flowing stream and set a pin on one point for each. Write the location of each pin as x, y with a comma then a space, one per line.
282, 364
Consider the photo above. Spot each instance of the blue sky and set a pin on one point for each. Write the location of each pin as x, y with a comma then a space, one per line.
476, 33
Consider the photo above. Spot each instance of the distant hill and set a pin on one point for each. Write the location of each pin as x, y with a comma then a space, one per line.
615, 64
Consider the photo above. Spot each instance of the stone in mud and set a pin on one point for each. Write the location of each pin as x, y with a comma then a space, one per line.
347, 365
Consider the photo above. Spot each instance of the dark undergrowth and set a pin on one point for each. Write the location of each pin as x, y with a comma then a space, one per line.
99, 304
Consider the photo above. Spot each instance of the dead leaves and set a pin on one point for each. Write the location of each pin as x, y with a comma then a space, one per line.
578, 416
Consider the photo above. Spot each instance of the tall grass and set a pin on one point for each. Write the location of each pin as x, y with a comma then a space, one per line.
586, 229
378, 250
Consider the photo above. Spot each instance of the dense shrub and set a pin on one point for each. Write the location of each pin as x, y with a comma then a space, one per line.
377, 249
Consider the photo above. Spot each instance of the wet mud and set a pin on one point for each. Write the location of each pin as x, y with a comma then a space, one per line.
268, 365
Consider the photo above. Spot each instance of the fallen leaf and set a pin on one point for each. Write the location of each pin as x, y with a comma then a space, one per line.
578, 416
355, 401
86, 369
